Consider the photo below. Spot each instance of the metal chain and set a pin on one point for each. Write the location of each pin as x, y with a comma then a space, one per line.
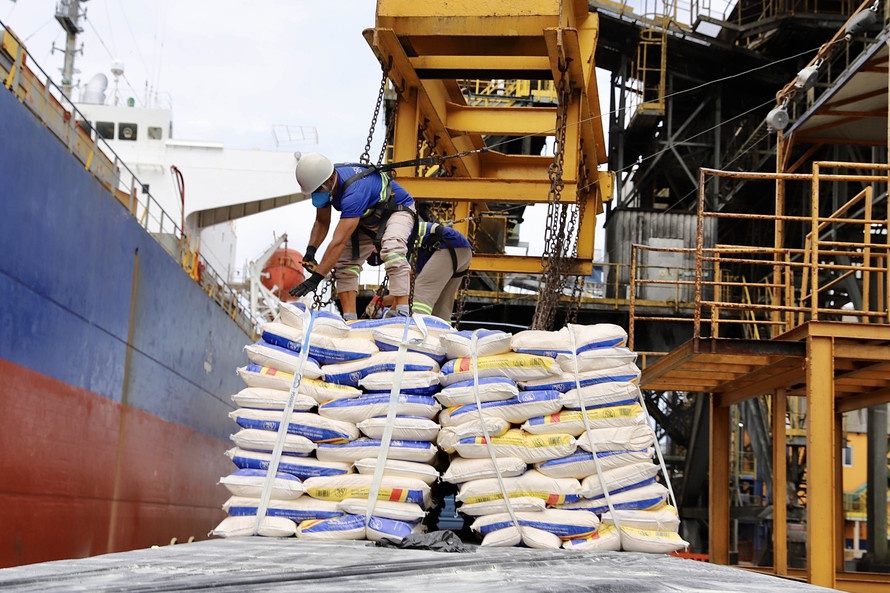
412, 249
366, 155
373, 307
390, 130
422, 148
317, 301
581, 203
464, 289
552, 281
463, 292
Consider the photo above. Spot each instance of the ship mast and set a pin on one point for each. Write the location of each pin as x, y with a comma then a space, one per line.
68, 14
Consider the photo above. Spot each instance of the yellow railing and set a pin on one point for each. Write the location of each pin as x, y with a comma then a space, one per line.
686, 14
827, 261
506, 93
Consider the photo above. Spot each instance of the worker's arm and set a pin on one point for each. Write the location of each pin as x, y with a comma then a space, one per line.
320, 226
342, 235
318, 233
316, 236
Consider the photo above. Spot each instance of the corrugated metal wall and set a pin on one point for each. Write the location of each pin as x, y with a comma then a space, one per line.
627, 227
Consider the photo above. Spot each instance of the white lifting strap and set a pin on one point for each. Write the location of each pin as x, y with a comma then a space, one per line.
391, 411
494, 459
308, 322
587, 430
658, 453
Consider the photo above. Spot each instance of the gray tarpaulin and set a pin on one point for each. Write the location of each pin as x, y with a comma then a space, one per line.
269, 564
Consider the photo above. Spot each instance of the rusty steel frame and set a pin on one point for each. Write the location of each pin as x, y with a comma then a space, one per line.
838, 366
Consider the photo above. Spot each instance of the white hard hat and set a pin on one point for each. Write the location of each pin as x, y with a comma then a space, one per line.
313, 169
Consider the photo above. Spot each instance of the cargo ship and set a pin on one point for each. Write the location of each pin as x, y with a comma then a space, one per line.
115, 401
424, 46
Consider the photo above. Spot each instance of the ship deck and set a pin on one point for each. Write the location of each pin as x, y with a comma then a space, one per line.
269, 564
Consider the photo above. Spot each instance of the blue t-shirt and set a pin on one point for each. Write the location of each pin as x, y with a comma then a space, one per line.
427, 235
364, 193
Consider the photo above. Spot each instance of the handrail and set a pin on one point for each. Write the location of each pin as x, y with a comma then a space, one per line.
57, 112
833, 270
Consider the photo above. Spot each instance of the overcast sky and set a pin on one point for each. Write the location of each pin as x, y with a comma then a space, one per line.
232, 71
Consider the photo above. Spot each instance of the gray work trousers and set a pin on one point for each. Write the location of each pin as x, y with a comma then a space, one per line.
435, 287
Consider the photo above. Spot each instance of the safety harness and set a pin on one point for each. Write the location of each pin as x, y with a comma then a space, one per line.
373, 221
434, 241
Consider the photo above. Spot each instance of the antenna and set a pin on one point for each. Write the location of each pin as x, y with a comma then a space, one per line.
117, 69
68, 14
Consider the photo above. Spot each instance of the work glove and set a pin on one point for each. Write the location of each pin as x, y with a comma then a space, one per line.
307, 286
309, 259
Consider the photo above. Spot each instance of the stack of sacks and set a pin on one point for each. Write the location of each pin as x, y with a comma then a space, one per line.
511, 453
269, 376
404, 492
539, 438
616, 430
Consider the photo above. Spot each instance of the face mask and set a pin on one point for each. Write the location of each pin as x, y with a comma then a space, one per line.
320, 199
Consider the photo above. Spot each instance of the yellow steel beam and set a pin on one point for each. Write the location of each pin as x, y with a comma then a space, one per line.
838, 502
462, 214
438, 93
822, 509
498, 165
591, 111
534, 65
495, 45
572, 141
514, 121
605, 181
565, 44
388, 50
522, 264
863, 400
835, 329
858, 351
466, 18
580, 13
459, 189
863, 582
780, 482
587, 228
743, 388
405, 132
718, 493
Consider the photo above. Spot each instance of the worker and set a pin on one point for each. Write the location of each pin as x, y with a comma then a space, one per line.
376, 213
443, 259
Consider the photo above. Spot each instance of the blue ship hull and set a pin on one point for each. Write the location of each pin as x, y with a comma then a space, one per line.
116, 368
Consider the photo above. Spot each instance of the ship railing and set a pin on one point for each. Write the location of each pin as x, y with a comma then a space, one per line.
23, 76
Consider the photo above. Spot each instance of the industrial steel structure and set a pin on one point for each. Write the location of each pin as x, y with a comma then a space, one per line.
747, 227
432, 53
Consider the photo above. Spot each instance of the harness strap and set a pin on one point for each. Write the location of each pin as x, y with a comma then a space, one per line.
460, 274
385, 193
378, 214
368, 169
434, 240
376, 236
